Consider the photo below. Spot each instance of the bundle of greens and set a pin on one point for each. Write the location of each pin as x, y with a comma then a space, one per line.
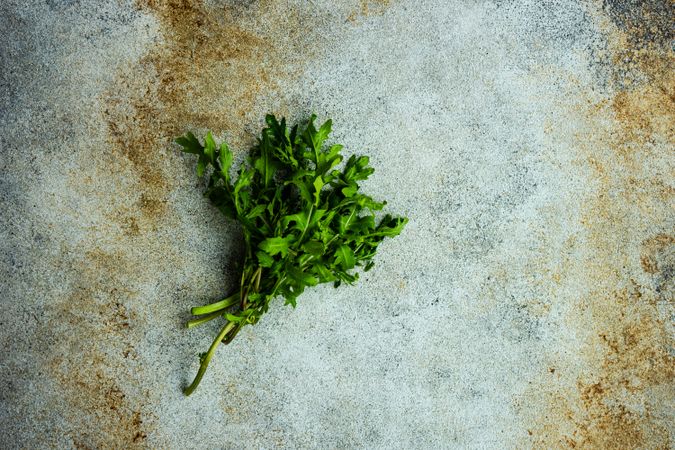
304, 221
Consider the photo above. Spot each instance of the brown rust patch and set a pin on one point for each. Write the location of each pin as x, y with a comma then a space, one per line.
215, 66
218, 67
92, 331
620, 401
655, 254
211, 69
619, 394
368, 8
374, 6
634, 110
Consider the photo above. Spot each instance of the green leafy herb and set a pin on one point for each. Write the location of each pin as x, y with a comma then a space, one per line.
304, 221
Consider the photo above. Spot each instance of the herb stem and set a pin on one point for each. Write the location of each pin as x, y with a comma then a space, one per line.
257, 281
217, 306
254, 280
276, 286
234, 333
207, 358
194, 322
309, 220
280, 184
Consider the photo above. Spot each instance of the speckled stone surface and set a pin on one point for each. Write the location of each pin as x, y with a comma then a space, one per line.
528, 303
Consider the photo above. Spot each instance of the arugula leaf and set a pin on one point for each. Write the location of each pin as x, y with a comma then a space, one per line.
345, 220
314, 248
318, 184
304, 220
265, 163
300, 277
209, 148
345, 257
190, 144
225, 159
274, 245
264, 259
257, 211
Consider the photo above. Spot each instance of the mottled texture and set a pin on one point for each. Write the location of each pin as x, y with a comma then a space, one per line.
528, 303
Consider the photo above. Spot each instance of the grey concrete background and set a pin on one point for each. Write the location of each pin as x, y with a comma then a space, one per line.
528, 304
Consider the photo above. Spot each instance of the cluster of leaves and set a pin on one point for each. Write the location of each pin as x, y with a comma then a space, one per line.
304, 221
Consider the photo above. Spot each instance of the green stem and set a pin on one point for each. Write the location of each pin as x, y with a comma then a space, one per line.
207, 358
257, 279
225, 303
234, 333
276, 286
204, 319
331, 240
253, 282
309, 219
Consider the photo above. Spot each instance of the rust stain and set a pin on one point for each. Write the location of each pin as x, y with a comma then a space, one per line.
93, 330
374, 6
633, 110
368, 8
618, 404
654, 254
620, 396
217, 67
210, 70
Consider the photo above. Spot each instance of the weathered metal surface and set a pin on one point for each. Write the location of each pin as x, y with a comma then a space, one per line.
529, 302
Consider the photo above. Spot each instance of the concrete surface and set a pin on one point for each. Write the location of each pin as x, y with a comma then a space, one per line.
529, 302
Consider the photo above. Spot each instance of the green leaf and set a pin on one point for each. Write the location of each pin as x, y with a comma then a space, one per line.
222, 200
301, 179
327, 235
265, 164
303, 221
244, 180
350, 191
390, 226
190, 144
325, 275
347, 277
313, 138
201, 166
291, 300
345, 257
322, 134
301, 277
257, 211
314, 248
345, 221
357, 169
365, 201
318, 184
363, 224
328, 160
225, 158
264, 259
274, 245
210, 148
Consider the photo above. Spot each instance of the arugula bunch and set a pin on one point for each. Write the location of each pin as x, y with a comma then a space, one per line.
304, 221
